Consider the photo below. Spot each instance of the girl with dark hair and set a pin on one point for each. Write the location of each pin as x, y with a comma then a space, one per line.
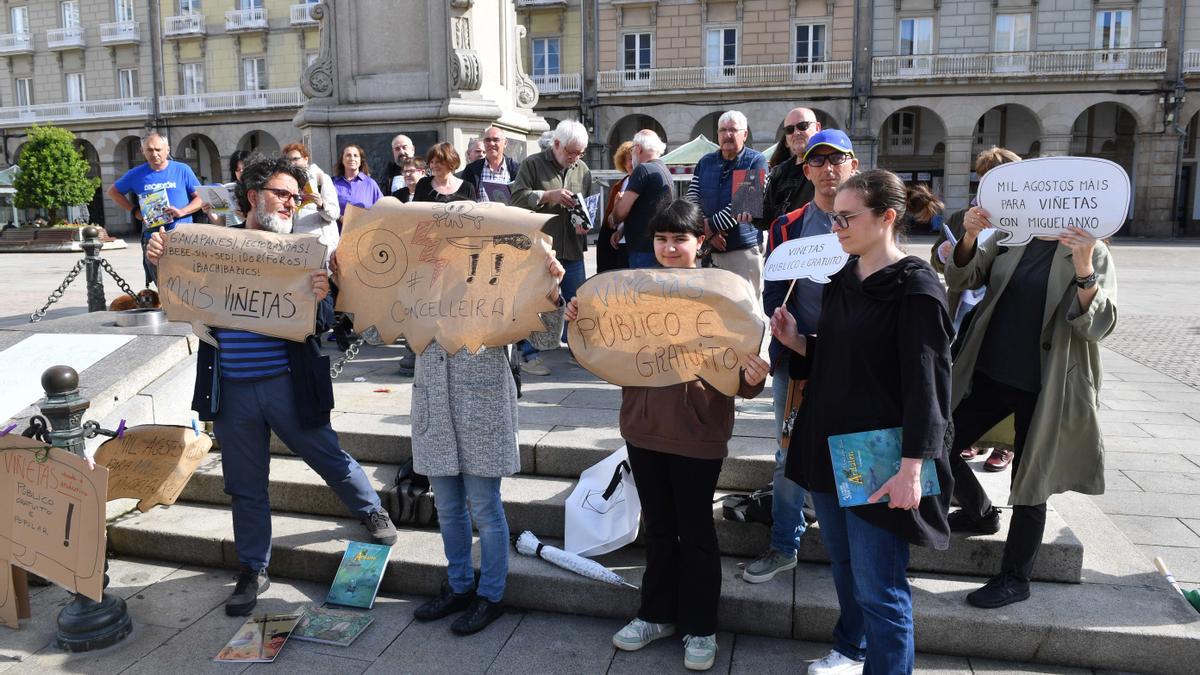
237, 164
677, 438
881, 361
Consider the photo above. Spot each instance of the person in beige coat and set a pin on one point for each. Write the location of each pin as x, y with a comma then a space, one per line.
1031, 351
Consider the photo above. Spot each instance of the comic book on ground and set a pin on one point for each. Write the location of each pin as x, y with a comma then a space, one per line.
332, 626
358, 577
259, 639
154, 207
864, 461
748, 185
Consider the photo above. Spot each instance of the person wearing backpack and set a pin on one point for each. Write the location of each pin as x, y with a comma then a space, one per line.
677, 438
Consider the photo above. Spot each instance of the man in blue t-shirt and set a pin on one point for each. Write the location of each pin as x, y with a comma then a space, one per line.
648, 189
160, 174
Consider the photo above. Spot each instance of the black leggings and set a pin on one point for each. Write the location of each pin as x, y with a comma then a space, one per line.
987, 405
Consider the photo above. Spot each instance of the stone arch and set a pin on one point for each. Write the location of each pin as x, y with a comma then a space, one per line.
1009, 125
1107, 130
629, 125
912, 144
127, 154
95, 207
200, 152
259, 141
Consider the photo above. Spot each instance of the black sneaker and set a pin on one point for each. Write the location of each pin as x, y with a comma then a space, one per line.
1003, 589
961, 521
250, 584
408, 363
381, 528
446, 603
477, 617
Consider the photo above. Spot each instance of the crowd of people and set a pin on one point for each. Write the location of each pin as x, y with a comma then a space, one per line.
881, 346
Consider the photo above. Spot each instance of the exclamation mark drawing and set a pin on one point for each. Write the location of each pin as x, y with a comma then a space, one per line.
67, 535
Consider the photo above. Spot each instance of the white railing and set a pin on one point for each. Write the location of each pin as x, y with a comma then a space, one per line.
246, 19
559, 83
711, 77
64, 38
57, 112
11, 43
1019, 64
184, 24
119, 31
302, 14
1191, 61
231, 100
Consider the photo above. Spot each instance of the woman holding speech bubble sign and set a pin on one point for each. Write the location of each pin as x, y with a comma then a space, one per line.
1032, 351
677, 438
881, 364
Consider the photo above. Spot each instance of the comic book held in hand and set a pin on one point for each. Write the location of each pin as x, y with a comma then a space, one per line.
748, 185
358, 577
864, 461
583, 214
500, 193
259, 639
331, 626
154, 207
219, 197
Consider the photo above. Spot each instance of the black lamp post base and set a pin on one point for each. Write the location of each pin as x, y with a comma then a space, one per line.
85, 625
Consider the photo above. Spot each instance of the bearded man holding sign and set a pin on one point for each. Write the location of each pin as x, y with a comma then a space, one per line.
250, 385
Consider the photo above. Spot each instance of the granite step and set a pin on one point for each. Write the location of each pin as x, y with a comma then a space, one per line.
536, 503
1140, 625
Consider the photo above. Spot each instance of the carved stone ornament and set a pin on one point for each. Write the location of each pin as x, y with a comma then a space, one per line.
464, 70
460, 35
527, 92
462, 4
317, 80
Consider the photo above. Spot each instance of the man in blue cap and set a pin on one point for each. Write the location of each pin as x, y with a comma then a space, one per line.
828, 162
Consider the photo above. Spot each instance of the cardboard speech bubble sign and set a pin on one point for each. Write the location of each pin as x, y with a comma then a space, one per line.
464, 274
9, 615
52, 514
813, 258
152, 462
1043, 197
658, 327
245, 279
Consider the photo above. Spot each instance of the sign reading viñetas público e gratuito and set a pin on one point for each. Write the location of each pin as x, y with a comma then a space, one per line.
1044, 197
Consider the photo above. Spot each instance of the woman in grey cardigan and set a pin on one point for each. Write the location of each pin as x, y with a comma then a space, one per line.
464, 437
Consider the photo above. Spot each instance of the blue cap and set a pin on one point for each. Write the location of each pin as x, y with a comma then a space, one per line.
834, 138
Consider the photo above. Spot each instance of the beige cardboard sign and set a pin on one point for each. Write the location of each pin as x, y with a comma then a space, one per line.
152, 463
464, 274
246, 279
52, 514
658, 327
8, 597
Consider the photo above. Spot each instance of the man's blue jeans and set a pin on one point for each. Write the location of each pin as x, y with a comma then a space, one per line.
451, 495
249, 412
639, 260
787, 504
868, 565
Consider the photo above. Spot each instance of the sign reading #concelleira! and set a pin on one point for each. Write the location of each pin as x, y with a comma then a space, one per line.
1044, 197
658, 327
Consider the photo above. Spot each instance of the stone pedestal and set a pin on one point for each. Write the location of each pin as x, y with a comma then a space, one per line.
436, 71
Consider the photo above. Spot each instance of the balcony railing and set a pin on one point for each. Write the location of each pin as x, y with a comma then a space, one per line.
302, 15
89, 110
1019, 64
120, 32
258, 99
1191, 61
710, 77
246, 19
65, 38
558, 83
184, 25
16, 43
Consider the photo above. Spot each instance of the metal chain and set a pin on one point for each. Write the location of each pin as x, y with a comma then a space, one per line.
39, 430
57, 293
352, 353
125, 287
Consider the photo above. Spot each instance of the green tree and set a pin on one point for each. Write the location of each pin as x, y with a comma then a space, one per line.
54, 175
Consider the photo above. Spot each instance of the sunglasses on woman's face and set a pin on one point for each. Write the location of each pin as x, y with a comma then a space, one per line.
798, 126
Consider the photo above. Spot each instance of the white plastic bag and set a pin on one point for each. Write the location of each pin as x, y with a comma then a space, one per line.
603, 509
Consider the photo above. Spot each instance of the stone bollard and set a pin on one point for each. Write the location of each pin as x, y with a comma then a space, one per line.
91, 259
84, 624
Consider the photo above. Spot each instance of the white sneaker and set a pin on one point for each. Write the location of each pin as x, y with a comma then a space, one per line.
835, 663
637, 634
535, 366
699, 651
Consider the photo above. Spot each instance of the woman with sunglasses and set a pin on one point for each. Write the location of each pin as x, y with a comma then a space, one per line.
880, 359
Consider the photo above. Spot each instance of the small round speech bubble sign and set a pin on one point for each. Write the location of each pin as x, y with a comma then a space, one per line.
1044, 197
812, 258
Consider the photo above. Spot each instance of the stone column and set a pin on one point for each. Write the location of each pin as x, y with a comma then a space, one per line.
1154, 185
956, 183
1056, 144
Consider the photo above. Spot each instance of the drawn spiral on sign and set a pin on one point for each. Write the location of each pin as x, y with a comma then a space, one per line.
383, 259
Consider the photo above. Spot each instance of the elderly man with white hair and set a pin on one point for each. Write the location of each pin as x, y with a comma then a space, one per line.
737, 244
547, 183
648, 189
